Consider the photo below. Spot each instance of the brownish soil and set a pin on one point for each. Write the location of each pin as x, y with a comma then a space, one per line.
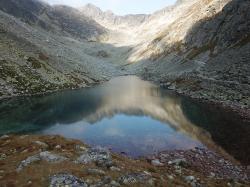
14, 149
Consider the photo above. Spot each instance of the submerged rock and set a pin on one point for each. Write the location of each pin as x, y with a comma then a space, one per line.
66, 180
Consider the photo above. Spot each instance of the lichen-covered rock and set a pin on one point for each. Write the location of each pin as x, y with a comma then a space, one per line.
47, 156
66, 180
99, 155
133, 178
50, 157
28, 161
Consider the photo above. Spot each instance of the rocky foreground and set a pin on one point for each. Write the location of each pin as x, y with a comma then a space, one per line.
29, 160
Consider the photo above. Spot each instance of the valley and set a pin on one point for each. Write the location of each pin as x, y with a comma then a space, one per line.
201, 55
166, 95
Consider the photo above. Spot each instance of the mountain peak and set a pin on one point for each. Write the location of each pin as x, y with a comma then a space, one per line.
92, 6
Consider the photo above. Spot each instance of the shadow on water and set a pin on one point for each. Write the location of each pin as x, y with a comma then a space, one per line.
128, 115
226, 129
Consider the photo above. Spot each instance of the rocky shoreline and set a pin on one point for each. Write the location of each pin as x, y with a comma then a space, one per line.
201, 96
33, 160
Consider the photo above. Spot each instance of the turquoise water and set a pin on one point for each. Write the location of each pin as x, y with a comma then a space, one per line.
127, 115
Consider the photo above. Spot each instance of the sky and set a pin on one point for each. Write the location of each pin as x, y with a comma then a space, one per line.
120, 7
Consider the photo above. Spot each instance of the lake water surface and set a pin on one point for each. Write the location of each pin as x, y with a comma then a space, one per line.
128, 115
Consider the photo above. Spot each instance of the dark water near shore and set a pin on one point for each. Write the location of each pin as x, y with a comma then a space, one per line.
128, 115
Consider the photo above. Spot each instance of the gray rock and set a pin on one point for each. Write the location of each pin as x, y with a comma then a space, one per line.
84, 159
3, 156
58, 147
50, 157
170, 177
99, 155
28, 161
189, 179
95, 172
179, 162
133, 178
114, 184
66, 180
157, 163
41, 144
192, 181
113, 168
4, 137
47, 156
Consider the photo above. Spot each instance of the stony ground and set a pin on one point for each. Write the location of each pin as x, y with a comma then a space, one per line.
28, 160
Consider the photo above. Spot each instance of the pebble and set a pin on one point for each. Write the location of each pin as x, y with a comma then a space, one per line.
95, 172
212, 175
189, 179
29, 182
23, 136
170, 177
41, 144
58, 147
114, 184
80, 148
3, 156
113, 168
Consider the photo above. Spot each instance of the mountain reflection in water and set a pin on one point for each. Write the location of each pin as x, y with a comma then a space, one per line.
126, 114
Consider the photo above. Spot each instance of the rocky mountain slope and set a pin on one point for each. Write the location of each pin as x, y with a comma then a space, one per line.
197, 47
202, 51
46, 48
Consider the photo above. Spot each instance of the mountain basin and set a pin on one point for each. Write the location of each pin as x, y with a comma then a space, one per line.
129, 116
